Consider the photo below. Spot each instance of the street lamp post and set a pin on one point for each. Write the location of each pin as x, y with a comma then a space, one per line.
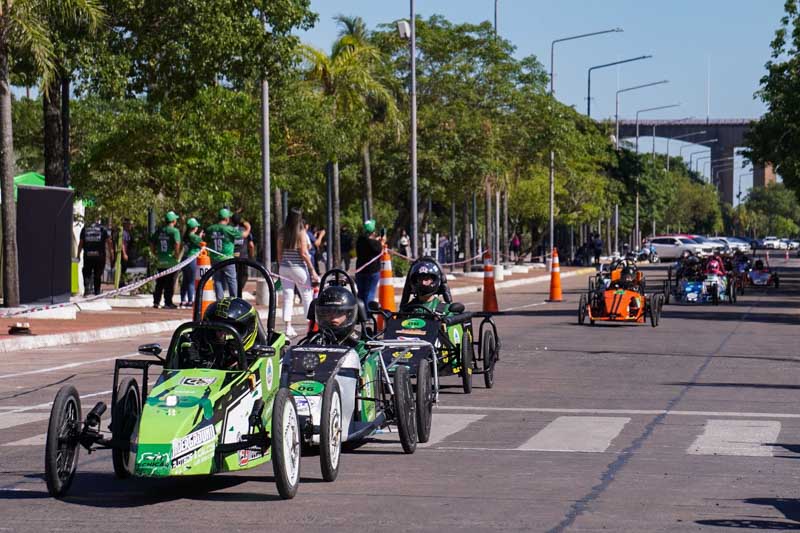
682, 148
654, 138
685, 136
711, 162
616, 113
597, 67
414, 213
552, 96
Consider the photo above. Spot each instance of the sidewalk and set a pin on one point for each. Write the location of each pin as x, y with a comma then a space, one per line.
122, 322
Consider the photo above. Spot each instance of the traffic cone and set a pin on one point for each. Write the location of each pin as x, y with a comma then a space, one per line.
555, 279
386, 288
207, 296
786, 255
489, 293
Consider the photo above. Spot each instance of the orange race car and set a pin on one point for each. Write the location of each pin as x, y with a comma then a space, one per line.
623, 300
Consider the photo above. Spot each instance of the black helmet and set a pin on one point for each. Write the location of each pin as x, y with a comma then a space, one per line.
759, 264
237, 313
628, 274
422, 271
336, 309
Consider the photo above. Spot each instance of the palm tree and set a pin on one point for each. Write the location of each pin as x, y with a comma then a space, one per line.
23, 30
346, 78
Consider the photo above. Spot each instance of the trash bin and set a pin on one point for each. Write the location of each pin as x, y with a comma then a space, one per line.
75, 273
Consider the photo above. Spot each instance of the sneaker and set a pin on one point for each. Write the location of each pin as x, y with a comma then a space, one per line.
155, 306
183, 304
170, 306
290, 332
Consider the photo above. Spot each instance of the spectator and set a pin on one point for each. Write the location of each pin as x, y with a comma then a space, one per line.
515, 247
598, 248
404, 244
443, 245
222, 236
242, 247
346, 242
127, 250
368, 245
95, 241
166, 244
192, 238
295, 266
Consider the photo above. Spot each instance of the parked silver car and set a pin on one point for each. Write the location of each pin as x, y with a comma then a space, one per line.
672, 246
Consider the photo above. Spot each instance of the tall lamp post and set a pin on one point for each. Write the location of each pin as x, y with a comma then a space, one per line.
552, 96
685, 136
616, 112
597, 67
407, 30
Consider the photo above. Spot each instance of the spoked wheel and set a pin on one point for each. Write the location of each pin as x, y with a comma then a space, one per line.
424, 401
488, 350
61, 444
285, 444
466, 363
582, 309
124, 421
330, 430
405, 409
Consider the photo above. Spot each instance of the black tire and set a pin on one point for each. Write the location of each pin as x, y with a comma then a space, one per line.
731, 291
654, 307
582, 302
667, 291
285, 444
424, 400
488, 350
741, 286
330, 430
714, 295
61, 444
777, 281
125, 417
592, 283
405, 411
466, 363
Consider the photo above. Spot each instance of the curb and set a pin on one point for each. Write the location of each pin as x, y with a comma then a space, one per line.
154, 328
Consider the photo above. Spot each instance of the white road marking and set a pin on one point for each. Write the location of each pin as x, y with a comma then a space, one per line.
62, 367
17, 419
47, 405
442, 426
577, 434
731, 414
36, 440
537, 304
737, 437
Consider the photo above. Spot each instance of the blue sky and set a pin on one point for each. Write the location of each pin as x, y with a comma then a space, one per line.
683, 36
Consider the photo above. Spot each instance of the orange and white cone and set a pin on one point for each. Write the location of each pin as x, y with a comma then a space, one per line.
207, 296
555, 279
489, 292
386, 287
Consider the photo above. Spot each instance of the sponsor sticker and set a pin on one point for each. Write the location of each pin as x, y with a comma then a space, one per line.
307, 388
198, 382
270, 374
456, 336
411, 332
413, 323
193, 440
303, 409
245, 456
402, 355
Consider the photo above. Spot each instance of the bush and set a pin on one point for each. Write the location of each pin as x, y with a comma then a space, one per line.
400, 267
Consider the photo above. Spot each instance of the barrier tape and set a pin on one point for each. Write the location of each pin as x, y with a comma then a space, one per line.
108, 294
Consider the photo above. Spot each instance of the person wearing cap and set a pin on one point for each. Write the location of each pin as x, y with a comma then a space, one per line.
192, 238
166, 245
220, 238
368, 245
242, 247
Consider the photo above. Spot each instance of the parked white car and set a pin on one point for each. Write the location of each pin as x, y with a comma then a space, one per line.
672, 246
735, 243
771, 243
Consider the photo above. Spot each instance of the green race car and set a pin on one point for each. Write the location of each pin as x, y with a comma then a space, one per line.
217, 405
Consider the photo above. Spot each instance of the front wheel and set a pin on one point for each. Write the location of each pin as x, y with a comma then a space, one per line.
330, 430
404, 410
488, 350
466, 363
124, 419
714, 295
61, 444
655, 309
424, 401
582, 309
285, 444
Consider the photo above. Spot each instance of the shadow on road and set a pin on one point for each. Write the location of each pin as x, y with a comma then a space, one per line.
790, 508
734, 385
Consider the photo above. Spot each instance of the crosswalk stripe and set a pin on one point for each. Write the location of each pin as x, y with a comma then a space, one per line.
577, 434
37, 440
9, 420
737, 437
442, 426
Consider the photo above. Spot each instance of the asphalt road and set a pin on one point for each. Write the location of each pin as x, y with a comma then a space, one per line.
694, 425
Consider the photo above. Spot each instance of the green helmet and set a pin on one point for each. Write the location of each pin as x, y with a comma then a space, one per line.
237, 313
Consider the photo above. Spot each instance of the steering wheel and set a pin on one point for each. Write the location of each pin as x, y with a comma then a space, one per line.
419, 307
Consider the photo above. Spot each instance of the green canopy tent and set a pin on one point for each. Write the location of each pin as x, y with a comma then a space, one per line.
33, 179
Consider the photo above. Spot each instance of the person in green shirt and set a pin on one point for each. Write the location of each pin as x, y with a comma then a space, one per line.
220, 238
166, 245
192, 237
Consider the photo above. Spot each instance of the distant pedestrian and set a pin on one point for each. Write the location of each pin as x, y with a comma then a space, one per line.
242, 247
192, 238
515, 247
346, 244
368, 246
443, 245
127, 250
295, 266
598, 248
166, 244
404, 244
95, 242
221, 237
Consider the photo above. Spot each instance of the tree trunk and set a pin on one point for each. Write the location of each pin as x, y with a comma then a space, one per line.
333, 233
9, 207
367, 179
53, 142
506, 234
489, 246
65, 128
280, 217
466, 239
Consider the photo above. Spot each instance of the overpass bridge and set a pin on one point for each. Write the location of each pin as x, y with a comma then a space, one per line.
730, 134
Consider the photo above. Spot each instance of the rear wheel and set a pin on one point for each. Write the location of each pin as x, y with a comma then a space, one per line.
405, 410
654, 307
124, 420
285, 444
488, 350
61, 444
777, 281
592, 283
330, 430
732, 291
466, 363
714, 290
424, 401
582, 309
